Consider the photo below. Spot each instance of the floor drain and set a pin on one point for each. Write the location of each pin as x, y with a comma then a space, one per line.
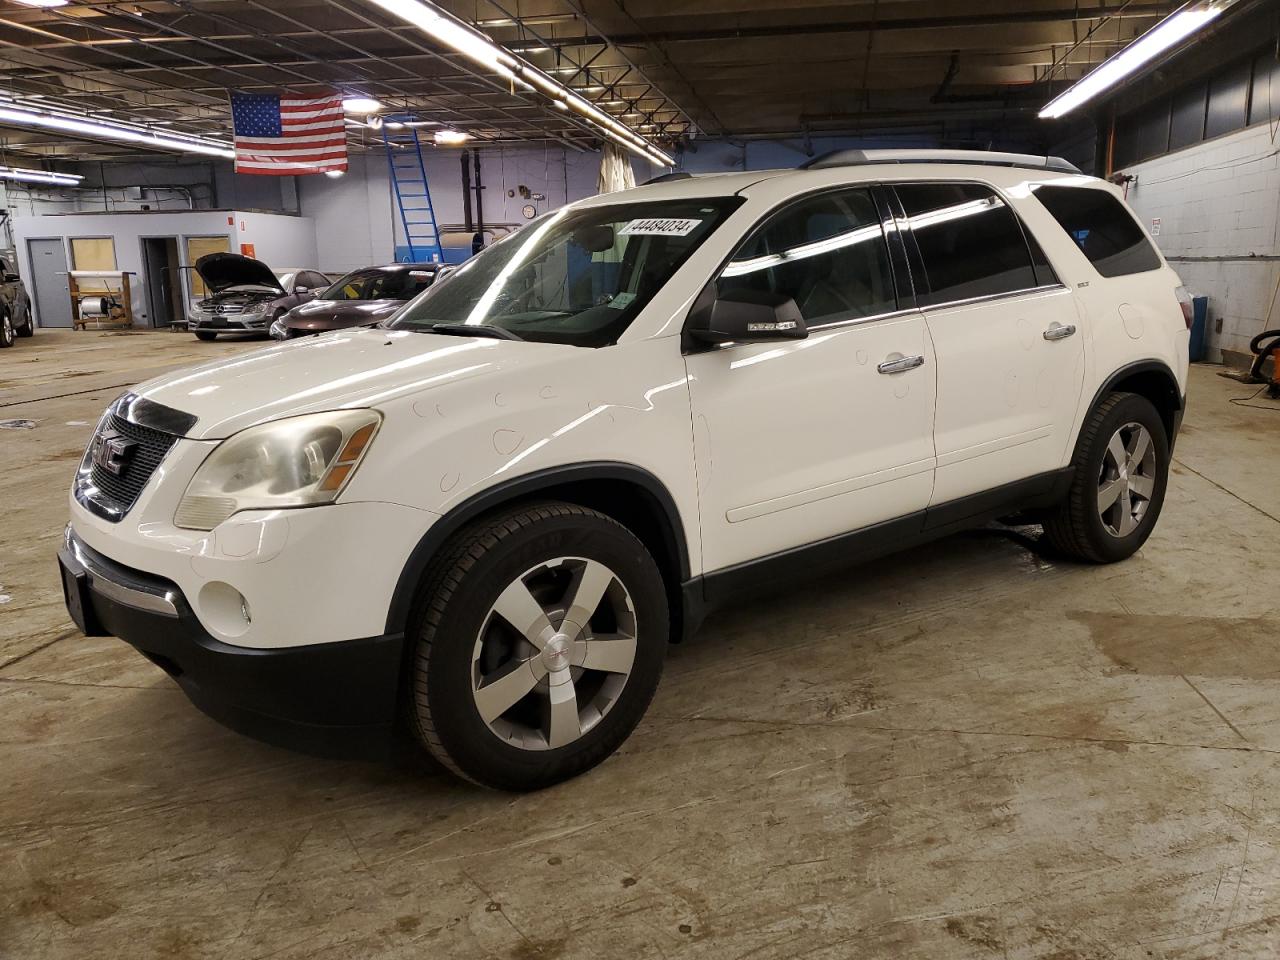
17, 424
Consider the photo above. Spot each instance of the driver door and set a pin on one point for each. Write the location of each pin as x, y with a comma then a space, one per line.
803, 440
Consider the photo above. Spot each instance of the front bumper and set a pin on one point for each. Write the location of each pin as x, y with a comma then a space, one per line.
232, 324
334, 699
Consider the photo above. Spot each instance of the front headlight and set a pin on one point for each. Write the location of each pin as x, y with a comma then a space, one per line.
298, 462
260, 306
278, 330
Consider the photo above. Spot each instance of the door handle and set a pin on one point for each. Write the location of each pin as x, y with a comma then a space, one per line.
1058, 331
901, 364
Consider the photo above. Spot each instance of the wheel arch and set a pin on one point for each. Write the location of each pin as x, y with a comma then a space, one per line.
629, 494
1152, 379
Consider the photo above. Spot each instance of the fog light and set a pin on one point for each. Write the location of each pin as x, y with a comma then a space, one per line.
223, 609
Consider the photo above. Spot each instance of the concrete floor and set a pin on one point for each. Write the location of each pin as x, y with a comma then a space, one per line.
965, 751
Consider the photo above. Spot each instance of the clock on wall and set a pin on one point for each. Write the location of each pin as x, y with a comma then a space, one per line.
530, 211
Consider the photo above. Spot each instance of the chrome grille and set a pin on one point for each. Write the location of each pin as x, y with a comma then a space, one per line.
118, 492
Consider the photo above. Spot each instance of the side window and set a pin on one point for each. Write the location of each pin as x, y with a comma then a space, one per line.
1102, 228
827, 252
971, 242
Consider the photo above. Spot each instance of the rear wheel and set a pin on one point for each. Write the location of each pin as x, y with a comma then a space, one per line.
206, 335
7, 335
1121, 472
539, 646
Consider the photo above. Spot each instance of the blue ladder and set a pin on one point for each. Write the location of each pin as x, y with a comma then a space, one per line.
409, 181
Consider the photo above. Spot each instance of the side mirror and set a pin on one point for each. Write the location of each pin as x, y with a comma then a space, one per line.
302, 288
11, 278
744, 316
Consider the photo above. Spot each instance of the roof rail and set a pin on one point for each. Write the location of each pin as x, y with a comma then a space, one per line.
845, 158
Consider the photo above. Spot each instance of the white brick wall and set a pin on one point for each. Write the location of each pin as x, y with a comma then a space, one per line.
1221, 200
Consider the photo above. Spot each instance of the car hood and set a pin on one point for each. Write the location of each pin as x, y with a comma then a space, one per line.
219, 271
333, 314
350, 368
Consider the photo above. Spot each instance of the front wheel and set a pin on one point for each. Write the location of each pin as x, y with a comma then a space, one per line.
1121, 471
28, 329
206, 335
539, 645
7, 336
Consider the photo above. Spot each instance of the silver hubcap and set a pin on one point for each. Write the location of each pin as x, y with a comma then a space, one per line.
1127, 480
554, 653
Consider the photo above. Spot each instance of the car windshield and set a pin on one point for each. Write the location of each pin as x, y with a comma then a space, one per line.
379, 284
576, 276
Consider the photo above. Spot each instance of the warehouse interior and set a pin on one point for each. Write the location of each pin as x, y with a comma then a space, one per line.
974, 749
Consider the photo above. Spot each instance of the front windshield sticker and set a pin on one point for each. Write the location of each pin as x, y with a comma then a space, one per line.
659, 227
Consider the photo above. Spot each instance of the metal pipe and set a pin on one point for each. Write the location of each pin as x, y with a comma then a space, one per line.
479, 188
466, 192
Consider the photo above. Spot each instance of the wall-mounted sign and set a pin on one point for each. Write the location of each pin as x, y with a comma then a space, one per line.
246, 249
529, 211
1155, 226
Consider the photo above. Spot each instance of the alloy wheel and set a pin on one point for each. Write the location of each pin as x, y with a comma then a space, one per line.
1127, 479
554, 653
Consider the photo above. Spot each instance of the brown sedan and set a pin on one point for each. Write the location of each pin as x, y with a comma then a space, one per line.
360, 299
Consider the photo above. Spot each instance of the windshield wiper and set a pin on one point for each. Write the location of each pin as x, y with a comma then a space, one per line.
474, 330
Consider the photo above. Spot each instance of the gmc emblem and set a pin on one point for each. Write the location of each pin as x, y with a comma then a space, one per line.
111, 451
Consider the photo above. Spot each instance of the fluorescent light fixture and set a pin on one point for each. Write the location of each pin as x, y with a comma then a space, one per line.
44, 3
364, 105
45, 117
478, 48
1168, 33
451, 138
334, 174
40, 176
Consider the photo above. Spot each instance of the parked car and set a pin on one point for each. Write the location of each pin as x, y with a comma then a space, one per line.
360, 299
15, 307
247, 296
492, 515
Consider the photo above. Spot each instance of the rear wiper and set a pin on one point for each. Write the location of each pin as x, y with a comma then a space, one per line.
474, 330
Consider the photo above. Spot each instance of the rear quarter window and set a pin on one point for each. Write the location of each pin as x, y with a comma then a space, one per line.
1103, 229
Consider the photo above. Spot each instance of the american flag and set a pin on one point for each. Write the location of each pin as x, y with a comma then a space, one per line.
284, 136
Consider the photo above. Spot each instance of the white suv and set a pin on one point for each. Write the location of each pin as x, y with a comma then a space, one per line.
490, 515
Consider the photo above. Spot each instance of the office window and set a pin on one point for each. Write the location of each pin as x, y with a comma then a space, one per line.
198, 247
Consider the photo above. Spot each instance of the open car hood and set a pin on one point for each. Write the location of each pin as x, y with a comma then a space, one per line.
221, 271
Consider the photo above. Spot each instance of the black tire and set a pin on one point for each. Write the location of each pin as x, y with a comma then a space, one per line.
205, 335
28, 329
7, 335
459, 590
1076, 528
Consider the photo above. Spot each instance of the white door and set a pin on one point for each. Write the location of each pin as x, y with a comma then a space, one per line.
802, 440
1010, 356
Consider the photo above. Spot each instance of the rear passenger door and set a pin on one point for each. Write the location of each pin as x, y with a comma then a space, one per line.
801, 440
1010, 360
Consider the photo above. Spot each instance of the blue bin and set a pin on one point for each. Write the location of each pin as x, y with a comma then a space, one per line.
1199, 325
